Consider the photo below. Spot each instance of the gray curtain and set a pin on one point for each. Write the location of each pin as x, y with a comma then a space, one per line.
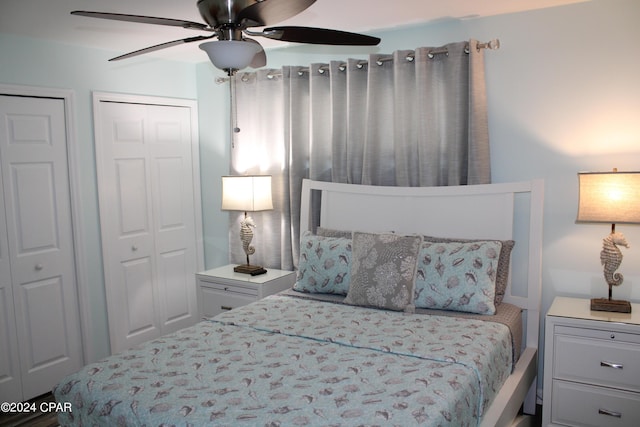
413, 118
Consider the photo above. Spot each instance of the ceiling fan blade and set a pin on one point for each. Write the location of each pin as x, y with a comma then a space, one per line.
270, 12
144, 19
160, 46
260, 59
318, 36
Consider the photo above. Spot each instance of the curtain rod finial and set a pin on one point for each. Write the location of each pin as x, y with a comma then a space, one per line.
493, 44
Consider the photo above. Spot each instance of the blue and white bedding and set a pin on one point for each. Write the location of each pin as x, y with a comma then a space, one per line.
286, 361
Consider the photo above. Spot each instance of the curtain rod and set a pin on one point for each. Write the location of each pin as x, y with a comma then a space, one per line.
492, 45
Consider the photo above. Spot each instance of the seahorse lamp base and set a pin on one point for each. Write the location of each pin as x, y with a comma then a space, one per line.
253, 270
612, 305
611, 258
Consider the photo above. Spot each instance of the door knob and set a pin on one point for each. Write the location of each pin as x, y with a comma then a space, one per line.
39, 267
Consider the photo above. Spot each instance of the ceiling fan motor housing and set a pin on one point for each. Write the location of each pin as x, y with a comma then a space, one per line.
221, 12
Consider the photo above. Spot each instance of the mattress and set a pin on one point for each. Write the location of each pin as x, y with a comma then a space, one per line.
296, 361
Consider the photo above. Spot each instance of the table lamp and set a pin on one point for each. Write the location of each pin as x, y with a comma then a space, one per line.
610, 197
247, 193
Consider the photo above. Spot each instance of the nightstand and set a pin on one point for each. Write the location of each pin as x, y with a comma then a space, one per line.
221, 289
591, 366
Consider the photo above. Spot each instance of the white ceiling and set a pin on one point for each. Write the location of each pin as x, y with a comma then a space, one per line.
50, 19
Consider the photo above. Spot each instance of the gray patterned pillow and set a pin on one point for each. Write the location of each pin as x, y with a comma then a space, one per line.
458, 276
502, 275
324, 266
383, 270
330, 232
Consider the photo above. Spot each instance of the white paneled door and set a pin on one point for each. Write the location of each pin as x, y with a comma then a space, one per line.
150, 215
40, 340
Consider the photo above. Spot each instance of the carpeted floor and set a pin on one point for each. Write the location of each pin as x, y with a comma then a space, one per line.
32, 419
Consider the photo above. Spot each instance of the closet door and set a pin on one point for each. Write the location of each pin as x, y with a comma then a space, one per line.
10, 384
174, 207
148, 219
37, 201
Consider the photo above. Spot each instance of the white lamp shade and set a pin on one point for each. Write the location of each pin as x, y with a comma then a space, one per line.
611, 197
248, 193
230, 54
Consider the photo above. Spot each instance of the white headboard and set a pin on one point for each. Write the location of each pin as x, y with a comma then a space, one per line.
492, 211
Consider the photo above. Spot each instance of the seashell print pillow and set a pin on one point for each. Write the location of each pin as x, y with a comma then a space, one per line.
504, 262
324, 266
383, 270
458, 276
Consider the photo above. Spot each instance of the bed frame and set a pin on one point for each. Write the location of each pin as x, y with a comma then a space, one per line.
492, 211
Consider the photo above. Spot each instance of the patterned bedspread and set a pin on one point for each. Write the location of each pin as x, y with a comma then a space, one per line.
286, 361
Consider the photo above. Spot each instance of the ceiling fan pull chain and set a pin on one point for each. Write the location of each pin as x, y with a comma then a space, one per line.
234, 109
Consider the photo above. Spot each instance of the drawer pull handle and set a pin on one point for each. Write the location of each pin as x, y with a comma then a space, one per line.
610, 413
225, 307
611, 365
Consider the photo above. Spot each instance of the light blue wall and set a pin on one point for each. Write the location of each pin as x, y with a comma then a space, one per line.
563, 94
213, 105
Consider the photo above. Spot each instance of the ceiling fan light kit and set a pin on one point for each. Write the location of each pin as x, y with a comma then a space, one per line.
230, 55
229, 20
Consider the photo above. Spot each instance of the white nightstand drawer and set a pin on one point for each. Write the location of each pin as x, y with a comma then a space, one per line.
589, 406
216, 300
233, 289
603, 334
610, 363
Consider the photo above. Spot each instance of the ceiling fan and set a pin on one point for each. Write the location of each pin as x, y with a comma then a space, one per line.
229, 21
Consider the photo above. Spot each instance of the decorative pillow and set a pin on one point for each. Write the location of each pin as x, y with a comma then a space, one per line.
504, 262
324, 265
383, 270
330, 232
458, 276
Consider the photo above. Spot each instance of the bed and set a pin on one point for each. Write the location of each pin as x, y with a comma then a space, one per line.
338, 350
